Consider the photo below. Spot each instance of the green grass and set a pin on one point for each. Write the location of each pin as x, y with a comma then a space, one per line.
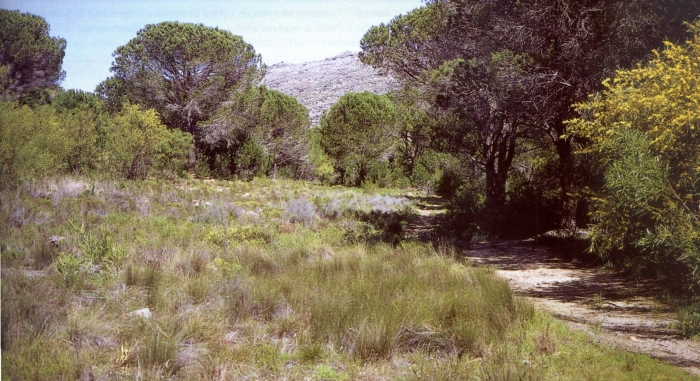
268, 279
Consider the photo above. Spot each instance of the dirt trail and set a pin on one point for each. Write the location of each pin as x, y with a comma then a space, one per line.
615, 311
597, 300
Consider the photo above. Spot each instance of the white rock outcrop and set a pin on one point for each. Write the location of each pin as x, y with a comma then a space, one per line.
319, 84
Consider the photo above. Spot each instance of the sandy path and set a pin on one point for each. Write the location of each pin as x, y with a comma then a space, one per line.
594, 299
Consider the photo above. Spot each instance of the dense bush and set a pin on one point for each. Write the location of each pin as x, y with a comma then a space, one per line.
85, 130
357, 133
640, 221
644, 130
138, 142
32, 143
259, 132
37, 142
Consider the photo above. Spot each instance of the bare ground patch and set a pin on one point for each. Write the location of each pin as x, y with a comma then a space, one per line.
614, 310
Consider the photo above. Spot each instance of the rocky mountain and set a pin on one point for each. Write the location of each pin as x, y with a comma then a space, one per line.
319, 84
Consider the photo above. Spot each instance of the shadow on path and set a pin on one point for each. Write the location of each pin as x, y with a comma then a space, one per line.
614, 309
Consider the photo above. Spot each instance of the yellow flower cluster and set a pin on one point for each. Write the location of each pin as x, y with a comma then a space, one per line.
660, 98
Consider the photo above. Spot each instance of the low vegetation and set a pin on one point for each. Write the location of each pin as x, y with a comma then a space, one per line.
269, 279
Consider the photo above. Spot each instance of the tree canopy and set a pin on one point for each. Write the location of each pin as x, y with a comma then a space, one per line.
30, 59
184, 71
272, 121
357, 131
507, 70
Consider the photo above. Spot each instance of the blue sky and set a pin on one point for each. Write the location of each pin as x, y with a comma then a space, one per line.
280, 30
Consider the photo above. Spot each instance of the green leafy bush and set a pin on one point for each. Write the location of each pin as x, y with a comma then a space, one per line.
83, 129
32, 143
689, 320
138, 142
639, 220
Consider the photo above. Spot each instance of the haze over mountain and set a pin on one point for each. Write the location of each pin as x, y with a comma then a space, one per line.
319, 84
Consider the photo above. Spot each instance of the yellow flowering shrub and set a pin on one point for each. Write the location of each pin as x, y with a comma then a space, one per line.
644, 131
660, 98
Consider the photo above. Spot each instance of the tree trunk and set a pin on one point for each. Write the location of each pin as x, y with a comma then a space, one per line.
566, 168
192, 159
233, 165
499, 154
341, 174
194, 150
362, 173
495, 199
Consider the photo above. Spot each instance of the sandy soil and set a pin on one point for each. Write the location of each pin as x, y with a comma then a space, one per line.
612, 309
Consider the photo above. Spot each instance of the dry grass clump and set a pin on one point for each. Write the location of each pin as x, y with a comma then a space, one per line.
301, 211
57, 189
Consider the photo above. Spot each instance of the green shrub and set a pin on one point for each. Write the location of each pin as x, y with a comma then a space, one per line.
640, 221
689, 320
32, 143
171, 153
643, 130
69, 266
138, 142
85, 130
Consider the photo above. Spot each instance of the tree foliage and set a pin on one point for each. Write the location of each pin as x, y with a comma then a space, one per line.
31, 143
30, 59
475, 77
138, 142
644, 130
183, 71
267, 124
504, 70
69, 100
415, 130
357, 132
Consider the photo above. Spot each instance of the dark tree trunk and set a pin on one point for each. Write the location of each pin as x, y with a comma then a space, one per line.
341, 173
499, 153
194, 150
566, 171
192, 159
495, 199
361, 174
232, 165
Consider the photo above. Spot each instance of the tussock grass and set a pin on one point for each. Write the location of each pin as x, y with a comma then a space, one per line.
375, 302
268, 279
